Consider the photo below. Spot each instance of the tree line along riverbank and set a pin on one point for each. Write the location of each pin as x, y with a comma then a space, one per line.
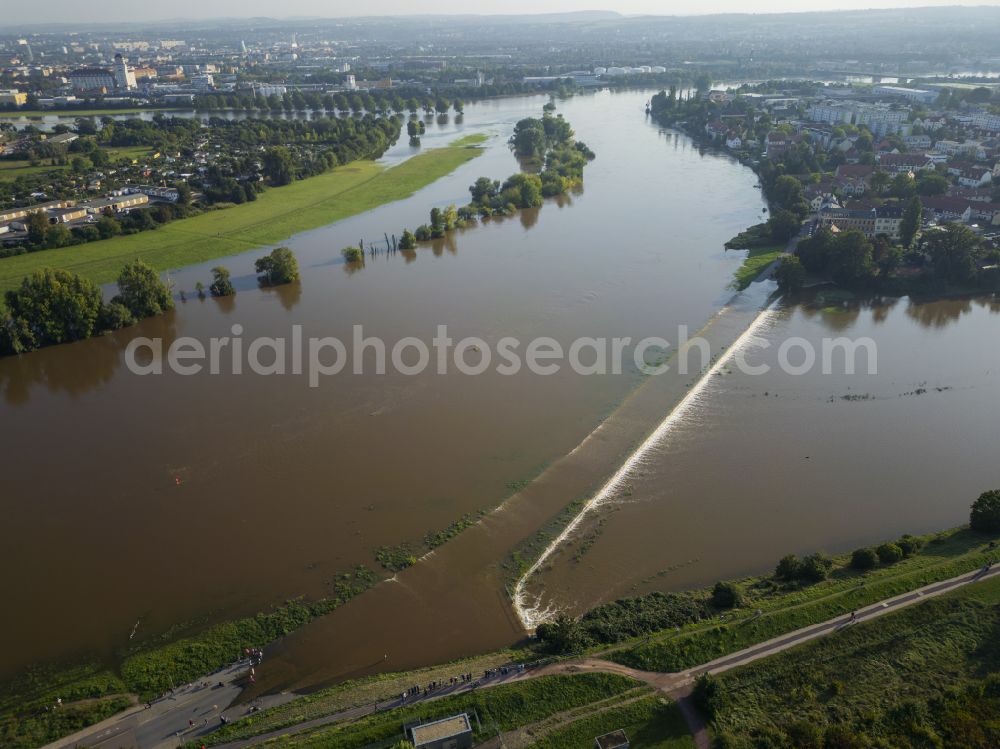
937, 260
275, 216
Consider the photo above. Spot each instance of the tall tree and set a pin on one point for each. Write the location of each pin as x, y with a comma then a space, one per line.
142, 292
221, 285
279, 165
912, 215
52, 306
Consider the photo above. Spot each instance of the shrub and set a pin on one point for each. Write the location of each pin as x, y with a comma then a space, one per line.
788, 568
985, 515
889, 553
408, 241
815, 568
864, 559
909, 545
352, 254
726, 595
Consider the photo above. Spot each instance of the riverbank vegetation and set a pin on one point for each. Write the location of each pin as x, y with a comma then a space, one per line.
789, 600
649, 723
921, 677
275, 216
55, 306
545, 143
401, 556
799, 177
500, 708
674, 631
89, 693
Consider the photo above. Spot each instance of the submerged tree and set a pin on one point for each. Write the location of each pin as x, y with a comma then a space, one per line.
142, 292
278, 267
221, 285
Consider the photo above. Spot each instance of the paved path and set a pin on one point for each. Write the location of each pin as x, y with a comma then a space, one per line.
185, 713
165, 724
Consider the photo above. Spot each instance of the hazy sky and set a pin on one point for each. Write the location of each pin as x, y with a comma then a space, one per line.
131, 10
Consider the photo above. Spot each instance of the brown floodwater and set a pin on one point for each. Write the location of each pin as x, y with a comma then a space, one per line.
780, 463
171, 499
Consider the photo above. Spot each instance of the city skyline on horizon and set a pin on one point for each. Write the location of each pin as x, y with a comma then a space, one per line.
60, 12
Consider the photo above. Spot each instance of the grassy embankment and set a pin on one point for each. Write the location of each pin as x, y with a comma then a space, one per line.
276, 215
917, 677
497, 709
761, 252
789, 607
649, 723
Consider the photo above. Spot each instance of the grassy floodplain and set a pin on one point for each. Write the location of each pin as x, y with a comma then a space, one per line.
757, 259
499, 709
787, 608
913, 678
276, 215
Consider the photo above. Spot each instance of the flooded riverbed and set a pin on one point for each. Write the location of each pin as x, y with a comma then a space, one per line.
169, 499
780, 463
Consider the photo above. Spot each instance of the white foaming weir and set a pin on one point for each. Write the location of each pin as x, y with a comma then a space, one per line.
531, 615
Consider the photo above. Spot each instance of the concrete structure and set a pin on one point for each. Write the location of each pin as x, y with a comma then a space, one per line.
986, 121
448, 733
13, 96
269, 90
12, 214
91, 79
881, 119
124, 77
169, 194
203, 81
614, 740
918, 95
118, 203
66, 215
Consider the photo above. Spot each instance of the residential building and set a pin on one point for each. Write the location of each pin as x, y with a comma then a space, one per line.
887, 220
869, 221
169, 194
917, 142
847, 219
970, 175
944, 208
986, 121
778, 142
904, 163
881, 119
852, 179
